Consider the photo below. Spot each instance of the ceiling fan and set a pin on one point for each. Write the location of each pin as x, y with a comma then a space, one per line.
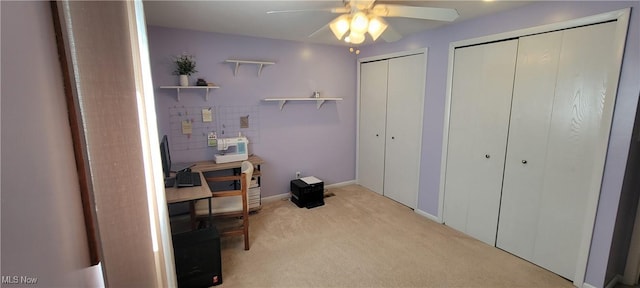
360, 17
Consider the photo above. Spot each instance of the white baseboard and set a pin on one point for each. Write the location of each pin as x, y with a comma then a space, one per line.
286, 195
275, 197
428, 216
341, 184
611, 283
617, 279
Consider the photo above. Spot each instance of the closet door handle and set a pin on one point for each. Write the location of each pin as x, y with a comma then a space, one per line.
487, 156
524, 161
376, 135
393, 137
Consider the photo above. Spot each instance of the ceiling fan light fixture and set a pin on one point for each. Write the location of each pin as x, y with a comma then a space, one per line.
377, 26
359, 23
354, 38
340, 26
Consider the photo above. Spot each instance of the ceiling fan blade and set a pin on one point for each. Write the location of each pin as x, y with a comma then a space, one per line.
340, 10
323, 28
332, 10
296, 11
390, 35
429, 13
361, 4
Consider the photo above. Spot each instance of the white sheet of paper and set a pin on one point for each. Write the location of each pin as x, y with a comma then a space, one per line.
310, 180
206, 115
186, 127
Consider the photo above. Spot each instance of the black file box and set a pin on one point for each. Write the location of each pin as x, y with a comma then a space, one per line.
197, 258
307, 195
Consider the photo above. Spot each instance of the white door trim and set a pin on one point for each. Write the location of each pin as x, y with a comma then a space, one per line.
622, 18
158, 212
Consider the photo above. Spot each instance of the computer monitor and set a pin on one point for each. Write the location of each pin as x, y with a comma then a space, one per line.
166, 156
167, 165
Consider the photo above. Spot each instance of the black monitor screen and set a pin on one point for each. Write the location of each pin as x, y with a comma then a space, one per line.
166, 156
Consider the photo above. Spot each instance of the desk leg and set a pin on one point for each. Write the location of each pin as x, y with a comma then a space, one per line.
210, 220
192, 212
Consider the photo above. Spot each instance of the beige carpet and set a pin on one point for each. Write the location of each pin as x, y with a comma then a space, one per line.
361, 239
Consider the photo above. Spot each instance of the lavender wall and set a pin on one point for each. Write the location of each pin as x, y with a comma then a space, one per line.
288, 136
318, 142
43, 232
523, 17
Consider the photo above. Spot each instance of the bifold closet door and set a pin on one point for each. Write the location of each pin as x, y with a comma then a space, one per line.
536, 73
390, 126
478, 124
405, 103
371, 137
555, 133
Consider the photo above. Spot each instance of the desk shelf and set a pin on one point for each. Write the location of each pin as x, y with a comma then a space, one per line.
260, 64
207, 88
319, 101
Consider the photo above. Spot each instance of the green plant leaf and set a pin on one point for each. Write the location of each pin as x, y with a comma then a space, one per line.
185, 65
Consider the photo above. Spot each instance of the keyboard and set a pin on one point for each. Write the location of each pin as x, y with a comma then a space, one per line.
188, 179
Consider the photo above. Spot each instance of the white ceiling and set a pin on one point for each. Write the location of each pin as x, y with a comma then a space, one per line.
249, 18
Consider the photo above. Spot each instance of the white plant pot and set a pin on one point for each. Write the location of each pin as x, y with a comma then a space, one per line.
184, 80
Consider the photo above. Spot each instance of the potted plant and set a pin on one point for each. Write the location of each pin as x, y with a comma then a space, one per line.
185, 66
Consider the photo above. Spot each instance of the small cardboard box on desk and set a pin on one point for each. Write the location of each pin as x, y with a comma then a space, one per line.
307, 192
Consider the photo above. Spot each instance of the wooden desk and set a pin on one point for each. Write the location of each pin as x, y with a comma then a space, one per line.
254, 196
177, 195
208, 166
191, 194
184, 194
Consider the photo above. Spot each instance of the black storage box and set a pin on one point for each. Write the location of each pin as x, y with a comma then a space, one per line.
197, 258
307, 195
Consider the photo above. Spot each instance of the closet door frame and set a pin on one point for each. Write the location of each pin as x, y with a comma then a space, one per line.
378, 58
622, 22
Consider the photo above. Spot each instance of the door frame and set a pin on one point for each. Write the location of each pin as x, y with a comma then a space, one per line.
622, 19
378, 58
159, 240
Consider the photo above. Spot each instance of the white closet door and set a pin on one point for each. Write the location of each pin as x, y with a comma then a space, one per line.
373, 103
479, 118
405, 103
533, 95
572, 138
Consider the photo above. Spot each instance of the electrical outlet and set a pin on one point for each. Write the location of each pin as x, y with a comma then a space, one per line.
298, 175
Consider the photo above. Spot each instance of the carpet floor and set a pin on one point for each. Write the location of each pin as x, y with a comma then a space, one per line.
362, 239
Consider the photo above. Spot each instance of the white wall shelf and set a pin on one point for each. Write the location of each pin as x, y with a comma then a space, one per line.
259, 63
207, 88
319, 101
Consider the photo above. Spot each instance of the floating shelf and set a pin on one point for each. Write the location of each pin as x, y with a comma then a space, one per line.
259, 63
319, 101
207, 88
